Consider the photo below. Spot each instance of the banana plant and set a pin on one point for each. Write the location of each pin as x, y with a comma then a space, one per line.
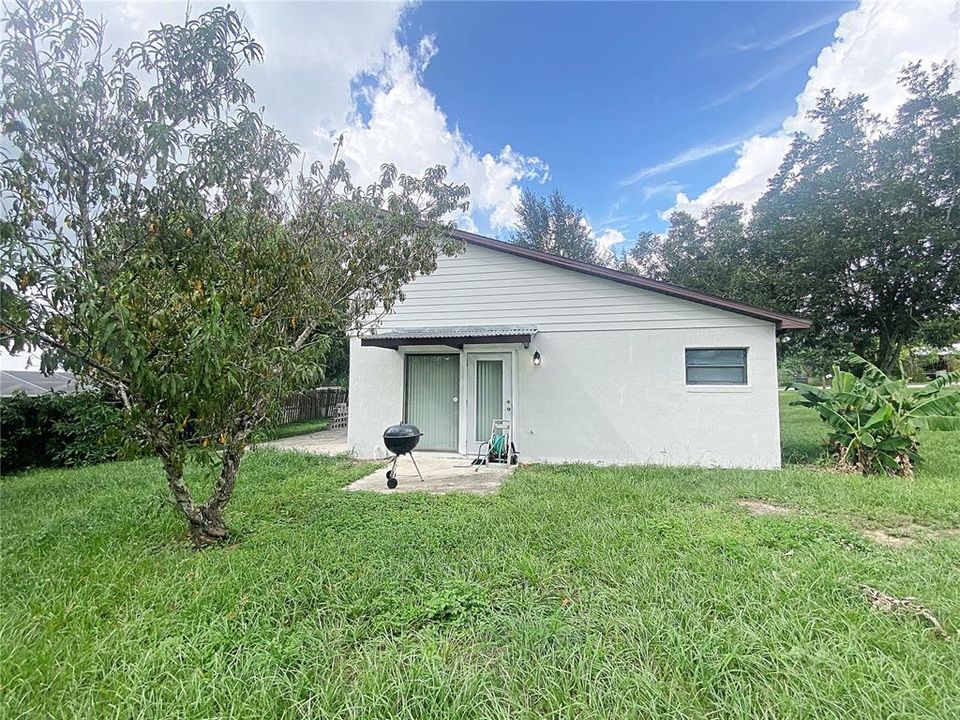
875, 421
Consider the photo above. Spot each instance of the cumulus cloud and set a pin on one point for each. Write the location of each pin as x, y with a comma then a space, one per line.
406, 126
608, 238
332, 68
757, 160
871, 44
312, 51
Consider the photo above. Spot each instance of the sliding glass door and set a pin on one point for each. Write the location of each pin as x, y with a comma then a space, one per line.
432, 402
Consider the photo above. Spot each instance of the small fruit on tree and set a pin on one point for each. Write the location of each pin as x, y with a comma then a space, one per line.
154, 240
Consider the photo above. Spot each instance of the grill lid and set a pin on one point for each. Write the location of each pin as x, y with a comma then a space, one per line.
404, 430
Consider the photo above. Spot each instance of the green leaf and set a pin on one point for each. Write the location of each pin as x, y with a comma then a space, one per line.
880, 417
946, 405
937, 385
894, 443
887, 462
843, 382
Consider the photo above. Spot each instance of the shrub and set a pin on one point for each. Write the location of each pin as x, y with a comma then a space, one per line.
807, 366
791, 369
875, 421
56, 430
952, 362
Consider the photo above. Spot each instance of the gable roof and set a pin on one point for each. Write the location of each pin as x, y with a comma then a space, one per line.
783, 321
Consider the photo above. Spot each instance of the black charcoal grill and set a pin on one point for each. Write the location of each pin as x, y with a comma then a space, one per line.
401, 440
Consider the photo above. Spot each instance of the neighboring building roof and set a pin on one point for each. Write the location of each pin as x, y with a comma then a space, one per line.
783, 321
456, 337
34, 382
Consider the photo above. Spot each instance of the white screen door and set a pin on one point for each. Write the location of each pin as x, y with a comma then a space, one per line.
432, 387
489, 395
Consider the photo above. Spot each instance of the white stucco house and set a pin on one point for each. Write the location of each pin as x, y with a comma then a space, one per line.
589, 364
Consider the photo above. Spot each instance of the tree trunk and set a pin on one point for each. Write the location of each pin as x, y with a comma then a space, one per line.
888, 355
204, 522
213, 529
209, 530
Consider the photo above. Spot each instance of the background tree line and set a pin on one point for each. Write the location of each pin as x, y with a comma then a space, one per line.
859, 230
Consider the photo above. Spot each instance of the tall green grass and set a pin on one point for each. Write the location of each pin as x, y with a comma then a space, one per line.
303, 427
575, 592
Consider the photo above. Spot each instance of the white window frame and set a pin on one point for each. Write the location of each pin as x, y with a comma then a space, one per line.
718, 387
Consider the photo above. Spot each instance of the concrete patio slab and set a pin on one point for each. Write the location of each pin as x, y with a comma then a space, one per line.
442, 473
325, 442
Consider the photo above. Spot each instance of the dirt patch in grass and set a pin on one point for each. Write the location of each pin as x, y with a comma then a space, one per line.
759, 507
885, 537
893, 536
944, 533
907, 535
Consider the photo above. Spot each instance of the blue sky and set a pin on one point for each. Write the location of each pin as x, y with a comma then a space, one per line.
603, 92
630, 109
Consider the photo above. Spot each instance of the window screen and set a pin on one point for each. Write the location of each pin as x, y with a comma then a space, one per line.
717, 366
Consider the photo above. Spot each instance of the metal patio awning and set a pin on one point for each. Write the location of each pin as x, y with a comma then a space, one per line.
455, 337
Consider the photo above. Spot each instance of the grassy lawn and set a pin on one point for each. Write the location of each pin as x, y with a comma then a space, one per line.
292, 429
576, 592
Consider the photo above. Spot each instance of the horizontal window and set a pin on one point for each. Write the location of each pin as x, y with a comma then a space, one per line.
717, 366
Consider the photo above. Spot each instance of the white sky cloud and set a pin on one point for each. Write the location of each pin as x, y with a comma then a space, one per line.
20, 361
312, 51
406, 126
608, 238
315, 56
871, 45
605, 238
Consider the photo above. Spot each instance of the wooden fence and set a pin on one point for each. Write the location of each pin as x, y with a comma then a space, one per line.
312, 404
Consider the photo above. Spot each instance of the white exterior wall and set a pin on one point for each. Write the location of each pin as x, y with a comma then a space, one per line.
611, 387
376, 398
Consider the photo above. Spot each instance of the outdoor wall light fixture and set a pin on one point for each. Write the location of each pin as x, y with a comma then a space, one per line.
536, 358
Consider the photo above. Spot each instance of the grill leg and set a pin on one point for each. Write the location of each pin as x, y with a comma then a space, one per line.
392, 474
415, 465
